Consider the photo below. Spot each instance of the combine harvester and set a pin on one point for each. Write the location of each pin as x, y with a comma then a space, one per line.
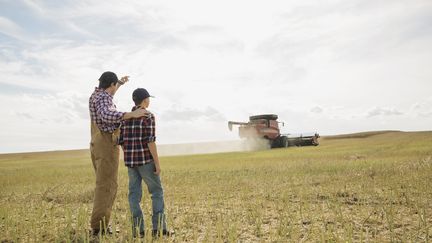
267, 127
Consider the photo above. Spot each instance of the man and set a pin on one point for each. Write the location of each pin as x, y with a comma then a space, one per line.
138, 138
105, 121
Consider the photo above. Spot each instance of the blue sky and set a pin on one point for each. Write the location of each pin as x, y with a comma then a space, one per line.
328, 66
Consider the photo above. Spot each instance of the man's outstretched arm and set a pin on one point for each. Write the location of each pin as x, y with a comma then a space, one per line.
122, 81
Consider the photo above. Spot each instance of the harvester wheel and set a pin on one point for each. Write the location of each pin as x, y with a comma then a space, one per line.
266, 116
315, 141
284, 142
275, 143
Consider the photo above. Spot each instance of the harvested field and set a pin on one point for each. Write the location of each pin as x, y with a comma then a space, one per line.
362, 188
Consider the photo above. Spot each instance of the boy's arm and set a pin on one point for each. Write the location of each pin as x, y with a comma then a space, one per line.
150, 138
154, 153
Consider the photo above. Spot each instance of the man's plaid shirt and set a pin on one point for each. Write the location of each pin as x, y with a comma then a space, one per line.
103, 111
135, 134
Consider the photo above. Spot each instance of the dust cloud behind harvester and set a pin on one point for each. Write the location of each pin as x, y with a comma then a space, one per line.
213, 147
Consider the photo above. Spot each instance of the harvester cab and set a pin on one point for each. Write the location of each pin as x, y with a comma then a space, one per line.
267, 127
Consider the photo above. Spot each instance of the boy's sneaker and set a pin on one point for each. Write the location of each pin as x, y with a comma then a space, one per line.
157, 233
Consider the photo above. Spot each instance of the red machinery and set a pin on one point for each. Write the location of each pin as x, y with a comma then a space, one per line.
267, 127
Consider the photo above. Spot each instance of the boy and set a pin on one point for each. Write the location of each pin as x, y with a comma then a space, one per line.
137, 139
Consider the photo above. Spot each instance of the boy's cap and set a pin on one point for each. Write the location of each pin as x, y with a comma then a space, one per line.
140, 94
108, 77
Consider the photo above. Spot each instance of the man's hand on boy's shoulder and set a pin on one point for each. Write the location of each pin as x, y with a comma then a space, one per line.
149, 114
135, 114
141, 112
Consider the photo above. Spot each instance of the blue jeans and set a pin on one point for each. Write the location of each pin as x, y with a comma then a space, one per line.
136, 176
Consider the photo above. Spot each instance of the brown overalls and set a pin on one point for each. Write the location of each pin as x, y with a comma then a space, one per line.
105, 157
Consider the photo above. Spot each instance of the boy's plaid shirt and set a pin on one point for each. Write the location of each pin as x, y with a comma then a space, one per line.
135, 134
103, 111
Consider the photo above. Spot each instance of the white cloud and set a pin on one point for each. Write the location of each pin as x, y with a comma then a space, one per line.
316, 109
44, 122
52, 109
8, 27
422, 109
380, 111
425, 114
192, 115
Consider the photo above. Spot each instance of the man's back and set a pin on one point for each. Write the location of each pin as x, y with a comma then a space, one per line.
103, 111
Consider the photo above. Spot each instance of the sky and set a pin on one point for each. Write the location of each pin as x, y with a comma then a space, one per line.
336, 66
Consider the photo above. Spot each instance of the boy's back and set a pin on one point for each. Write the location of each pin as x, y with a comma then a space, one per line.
134, 138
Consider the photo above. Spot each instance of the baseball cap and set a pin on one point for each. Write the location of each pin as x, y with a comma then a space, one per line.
108, 77
140, 94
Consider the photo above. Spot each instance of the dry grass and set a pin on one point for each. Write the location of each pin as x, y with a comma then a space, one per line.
367, 188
